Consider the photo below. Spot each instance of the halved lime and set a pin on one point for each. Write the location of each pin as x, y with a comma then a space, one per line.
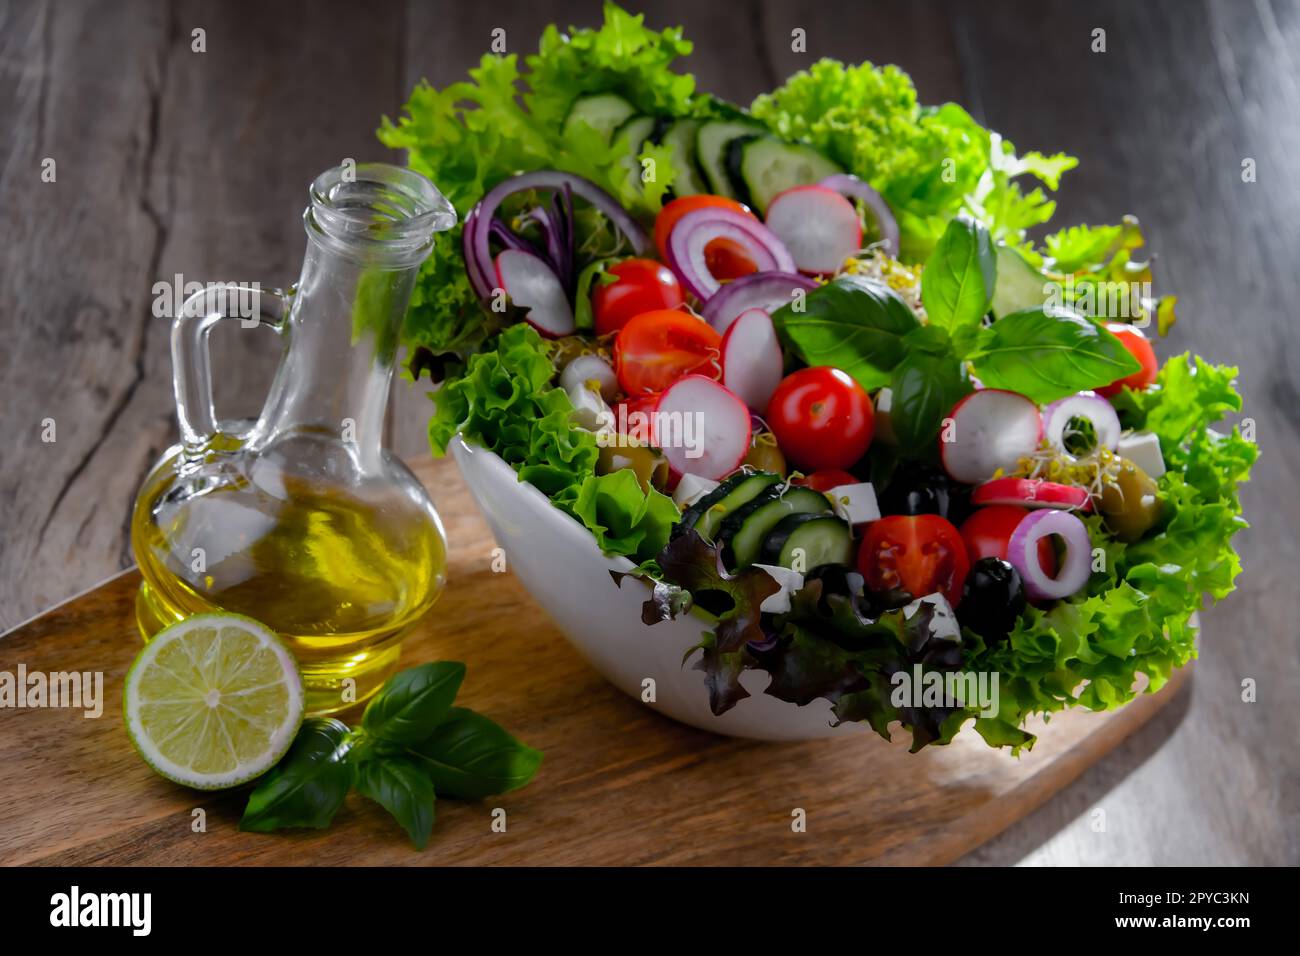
213, 701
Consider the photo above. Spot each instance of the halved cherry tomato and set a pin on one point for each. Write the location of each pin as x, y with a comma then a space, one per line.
921, 554
987, 532
725, 258
643, 285
822, 418
826, 479
1138, 346
657, 348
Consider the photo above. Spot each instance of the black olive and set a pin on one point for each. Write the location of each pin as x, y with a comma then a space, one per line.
917, 488
992, 599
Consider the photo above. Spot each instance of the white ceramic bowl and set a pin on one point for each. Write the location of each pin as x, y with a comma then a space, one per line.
560, 564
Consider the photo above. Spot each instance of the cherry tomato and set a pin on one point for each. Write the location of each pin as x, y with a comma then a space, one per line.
643, 285
657, 348
725, 258
988, 531
826, 479
921, 554
822, 418
1140, 349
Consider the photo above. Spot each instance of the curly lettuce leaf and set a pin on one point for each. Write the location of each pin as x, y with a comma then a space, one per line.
505, 402
929, 163
624, 517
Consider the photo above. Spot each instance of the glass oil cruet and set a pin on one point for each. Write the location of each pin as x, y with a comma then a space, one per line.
301, 519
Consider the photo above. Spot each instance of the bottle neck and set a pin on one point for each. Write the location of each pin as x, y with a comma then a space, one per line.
334, 379
369, 228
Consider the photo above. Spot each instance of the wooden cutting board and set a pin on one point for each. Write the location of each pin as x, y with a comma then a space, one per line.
619, 785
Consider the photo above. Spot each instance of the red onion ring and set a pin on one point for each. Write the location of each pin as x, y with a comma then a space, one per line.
695, 230
1076, 565
478, 254
848, 185
759, 290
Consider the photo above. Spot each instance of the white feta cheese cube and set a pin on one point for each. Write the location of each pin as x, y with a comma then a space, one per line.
856, 504
790, 582
1143, 449
691, 489
944, 624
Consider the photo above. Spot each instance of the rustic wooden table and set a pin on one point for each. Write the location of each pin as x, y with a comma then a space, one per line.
173, 161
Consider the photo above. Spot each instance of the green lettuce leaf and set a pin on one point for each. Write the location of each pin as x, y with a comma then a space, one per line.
506, 403
929, 163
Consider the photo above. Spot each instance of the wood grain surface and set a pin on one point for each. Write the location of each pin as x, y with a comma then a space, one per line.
171, 161
619, 784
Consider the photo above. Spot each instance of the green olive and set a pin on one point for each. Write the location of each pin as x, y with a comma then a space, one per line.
765, 454
1130, 502
649, 466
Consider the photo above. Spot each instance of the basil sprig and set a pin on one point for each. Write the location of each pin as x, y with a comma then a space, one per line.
412, 745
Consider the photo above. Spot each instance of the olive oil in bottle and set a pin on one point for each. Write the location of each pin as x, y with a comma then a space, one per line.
301, 519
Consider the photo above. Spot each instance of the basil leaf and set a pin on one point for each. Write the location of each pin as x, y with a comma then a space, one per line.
854, 324
1048, 353
925, 386
400, 786
470, 757
412, 702
959, 277
306, 788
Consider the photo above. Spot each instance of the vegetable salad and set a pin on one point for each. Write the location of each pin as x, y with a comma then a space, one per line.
802, 364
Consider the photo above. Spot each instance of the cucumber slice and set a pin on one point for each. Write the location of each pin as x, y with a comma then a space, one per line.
745, 531
634, 132
765, 167
1019, 285
707, 513
604, 113
680, 138
711, 141
816, 539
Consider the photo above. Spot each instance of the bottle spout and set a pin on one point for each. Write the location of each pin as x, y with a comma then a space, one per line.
380, 214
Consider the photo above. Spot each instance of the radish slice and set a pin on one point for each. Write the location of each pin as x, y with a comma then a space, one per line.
849, 185
762, 290
751, 358
532, 285
818, 225
590, 368
990, 429
1076, 564
695, 230
1086, 405
701, 427
1031, 493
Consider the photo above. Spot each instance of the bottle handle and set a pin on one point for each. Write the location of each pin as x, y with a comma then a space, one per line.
191, 363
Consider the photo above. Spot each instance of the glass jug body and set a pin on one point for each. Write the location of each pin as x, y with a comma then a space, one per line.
302, 519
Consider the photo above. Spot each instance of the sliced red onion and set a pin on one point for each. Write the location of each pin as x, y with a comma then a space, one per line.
478, 254
761, 290
695, 230
848, 185
1088, 405
1076, 563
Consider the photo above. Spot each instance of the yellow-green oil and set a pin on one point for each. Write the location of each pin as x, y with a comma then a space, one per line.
340, 578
